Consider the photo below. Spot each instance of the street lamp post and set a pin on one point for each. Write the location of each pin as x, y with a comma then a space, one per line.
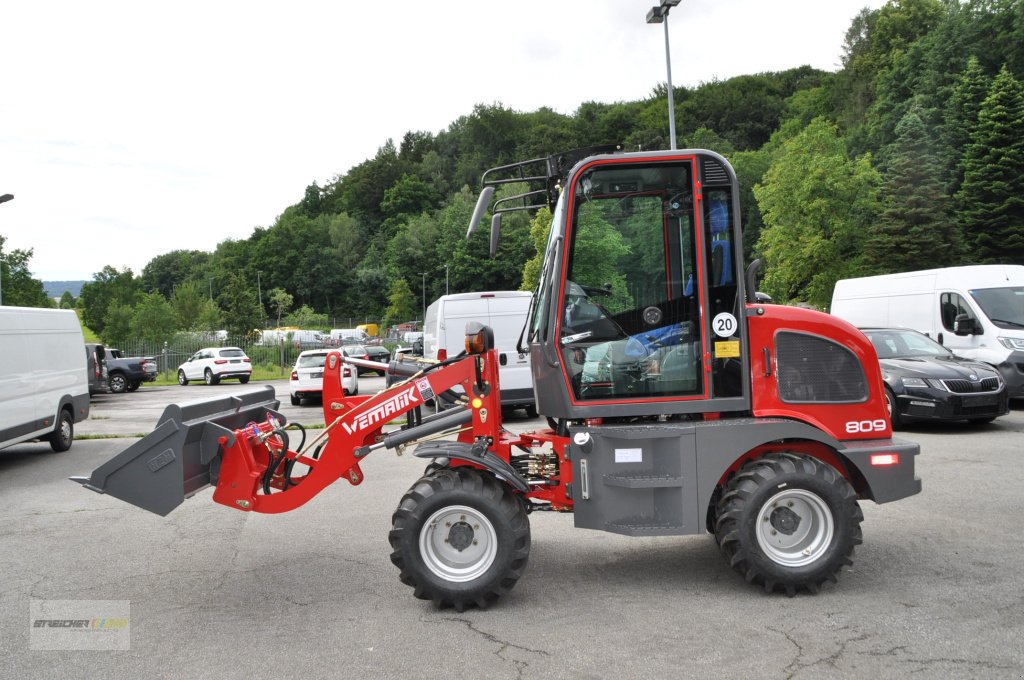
659, 15
3, 199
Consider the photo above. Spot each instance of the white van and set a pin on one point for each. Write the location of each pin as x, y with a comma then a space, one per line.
349, 336
44, 389
444, 336
976, 311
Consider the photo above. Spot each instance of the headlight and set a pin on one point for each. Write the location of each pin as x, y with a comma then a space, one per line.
1012, 343
914, 382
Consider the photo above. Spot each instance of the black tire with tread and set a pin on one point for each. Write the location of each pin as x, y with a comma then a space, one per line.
210, 378
894, 415
182, 380
754, 485
244, 379
63, 432
118, 383
296, 401
134, 385
476, 489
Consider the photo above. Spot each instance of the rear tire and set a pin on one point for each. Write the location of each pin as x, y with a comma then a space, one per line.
244, 379
788, 522
134, 385
460, 538
63, 433
210, 378
118, 383
182, 380
296, 401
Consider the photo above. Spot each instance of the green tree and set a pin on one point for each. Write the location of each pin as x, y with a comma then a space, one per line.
117, 325
816, 204
153, 320
280, 301
401, 303
961, 119
305, 317
915, 229
67, 300
108, 288
240, 308
540, 227
991, 200
193, 308
17, 287
164, 272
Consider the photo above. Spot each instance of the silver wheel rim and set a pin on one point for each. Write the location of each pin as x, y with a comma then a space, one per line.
794, 528
208, 377
117, 383
458, 543
65, 430
888, 402
181, 377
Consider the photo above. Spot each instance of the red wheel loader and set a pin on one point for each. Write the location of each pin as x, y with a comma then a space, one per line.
676, 403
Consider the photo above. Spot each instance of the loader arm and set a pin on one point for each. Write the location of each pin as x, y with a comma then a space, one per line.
241, 446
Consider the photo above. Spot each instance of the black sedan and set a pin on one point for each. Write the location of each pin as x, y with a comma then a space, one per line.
925, 381
378, 353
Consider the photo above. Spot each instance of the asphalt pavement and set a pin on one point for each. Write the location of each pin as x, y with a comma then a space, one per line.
935, 591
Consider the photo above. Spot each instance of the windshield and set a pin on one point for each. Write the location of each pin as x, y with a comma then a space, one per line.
1003, 306
537, 323
232, 353
897, 344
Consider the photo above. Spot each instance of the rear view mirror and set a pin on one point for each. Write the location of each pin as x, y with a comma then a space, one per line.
479, 210
495, 233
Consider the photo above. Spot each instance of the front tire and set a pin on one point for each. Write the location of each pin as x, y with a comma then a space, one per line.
63, 433
118, 383
182, 380
460, 538
788, 522
894, 413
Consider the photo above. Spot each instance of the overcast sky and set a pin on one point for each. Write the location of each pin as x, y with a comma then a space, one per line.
130, 129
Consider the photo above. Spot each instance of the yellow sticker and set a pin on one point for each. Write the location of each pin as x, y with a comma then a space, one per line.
727, 349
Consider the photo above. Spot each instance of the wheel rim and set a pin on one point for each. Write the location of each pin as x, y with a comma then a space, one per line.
65, 430
181, 377
458, 543
117, 383
209, 377
889, 404
795, 527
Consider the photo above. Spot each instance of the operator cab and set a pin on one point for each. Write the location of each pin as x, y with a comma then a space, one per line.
639, 308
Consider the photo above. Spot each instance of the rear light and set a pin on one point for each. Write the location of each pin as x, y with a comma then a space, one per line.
884, 459
220, 361
295, 375
347, 372
442, 354
247, 360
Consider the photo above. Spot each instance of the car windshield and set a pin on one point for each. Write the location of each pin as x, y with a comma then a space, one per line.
1003, 306
311, 361
232, 353
895, 344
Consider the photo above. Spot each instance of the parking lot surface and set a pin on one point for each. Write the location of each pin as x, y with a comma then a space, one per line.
936, 590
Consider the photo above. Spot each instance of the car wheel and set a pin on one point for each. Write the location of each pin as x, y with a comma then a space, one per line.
134, 385
243, 379
460, 538
894, 415
182, 380
788, 522
982, 421
118, 383
296, 401
531, 411
210, 378
63, 433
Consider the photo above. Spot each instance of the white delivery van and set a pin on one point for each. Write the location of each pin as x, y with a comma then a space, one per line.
976, 311
444, 336
44, 388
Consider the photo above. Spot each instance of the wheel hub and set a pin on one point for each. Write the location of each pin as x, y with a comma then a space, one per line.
460, 536
785, 520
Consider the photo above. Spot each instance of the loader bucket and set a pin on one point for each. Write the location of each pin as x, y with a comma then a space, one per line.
183, 454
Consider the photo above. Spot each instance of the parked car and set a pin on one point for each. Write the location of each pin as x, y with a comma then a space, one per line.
357, 352
307, 378
96, 368
213, 364
926, 381
378, 353
126, 374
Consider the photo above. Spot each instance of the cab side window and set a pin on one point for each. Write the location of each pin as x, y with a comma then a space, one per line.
950, 305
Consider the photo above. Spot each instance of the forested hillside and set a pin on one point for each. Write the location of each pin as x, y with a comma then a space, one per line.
911, 156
